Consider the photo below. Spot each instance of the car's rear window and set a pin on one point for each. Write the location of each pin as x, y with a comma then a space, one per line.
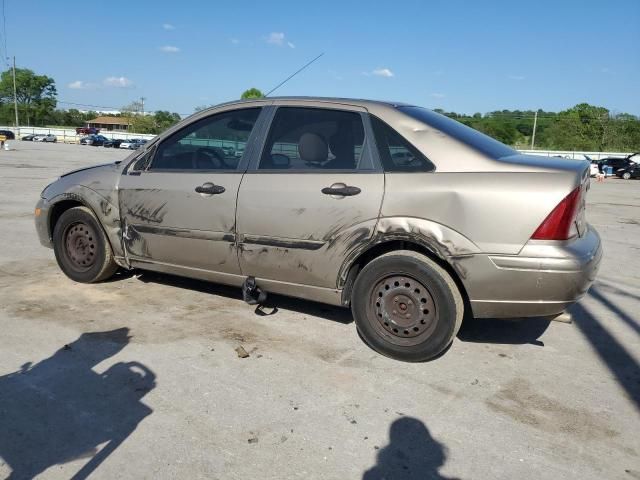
467, 135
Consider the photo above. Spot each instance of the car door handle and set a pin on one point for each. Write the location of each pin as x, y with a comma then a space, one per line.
341, 191
210, 189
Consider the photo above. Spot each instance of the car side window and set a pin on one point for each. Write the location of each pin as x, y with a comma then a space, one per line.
313, 139
213, 143
396, 153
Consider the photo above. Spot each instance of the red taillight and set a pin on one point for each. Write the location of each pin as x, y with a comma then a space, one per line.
557, 226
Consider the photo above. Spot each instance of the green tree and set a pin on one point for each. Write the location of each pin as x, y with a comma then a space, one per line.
582, 127
165, 119
36, 95
251, 93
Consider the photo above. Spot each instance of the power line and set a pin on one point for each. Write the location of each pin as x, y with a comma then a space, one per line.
105, 107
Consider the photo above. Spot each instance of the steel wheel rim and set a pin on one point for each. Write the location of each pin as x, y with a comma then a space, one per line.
80, 246
402, 310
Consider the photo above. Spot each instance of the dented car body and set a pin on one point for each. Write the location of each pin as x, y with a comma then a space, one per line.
322, 186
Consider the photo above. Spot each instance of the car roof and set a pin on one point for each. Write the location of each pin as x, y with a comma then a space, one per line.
358, 102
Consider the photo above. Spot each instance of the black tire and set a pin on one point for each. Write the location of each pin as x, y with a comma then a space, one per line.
406, 306
626, 175
81, 247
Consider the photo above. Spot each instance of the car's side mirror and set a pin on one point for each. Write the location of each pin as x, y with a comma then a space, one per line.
141, 163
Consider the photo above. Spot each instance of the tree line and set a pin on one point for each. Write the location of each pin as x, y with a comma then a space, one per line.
582, 127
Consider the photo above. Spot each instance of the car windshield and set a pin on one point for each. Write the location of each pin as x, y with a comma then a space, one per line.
467, 135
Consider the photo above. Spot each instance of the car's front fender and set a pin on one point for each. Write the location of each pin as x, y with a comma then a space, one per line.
105, 209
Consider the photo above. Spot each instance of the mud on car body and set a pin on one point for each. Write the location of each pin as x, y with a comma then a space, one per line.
405, 216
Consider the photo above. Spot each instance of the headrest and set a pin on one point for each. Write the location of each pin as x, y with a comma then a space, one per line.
312, 148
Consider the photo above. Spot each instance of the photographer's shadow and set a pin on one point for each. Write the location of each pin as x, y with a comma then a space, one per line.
60, 409
412, 454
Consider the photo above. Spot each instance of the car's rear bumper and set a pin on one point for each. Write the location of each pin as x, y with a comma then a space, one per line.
543, 279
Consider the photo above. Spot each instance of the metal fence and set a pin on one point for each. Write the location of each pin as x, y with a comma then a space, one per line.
69, 135
575, 155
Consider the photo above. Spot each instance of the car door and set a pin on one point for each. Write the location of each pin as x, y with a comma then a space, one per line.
178, 201
310, 199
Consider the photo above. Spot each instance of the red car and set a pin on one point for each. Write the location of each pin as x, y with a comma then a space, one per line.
87, 130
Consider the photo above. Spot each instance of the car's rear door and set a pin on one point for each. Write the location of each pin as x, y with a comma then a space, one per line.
178, 202
312, 197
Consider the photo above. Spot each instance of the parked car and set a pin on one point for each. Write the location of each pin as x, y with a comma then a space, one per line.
409, 246
28, 138
45, 138
632, 171
8, 134
113, 143
95, 140
87, 131
616, 163
240, 151
133, 143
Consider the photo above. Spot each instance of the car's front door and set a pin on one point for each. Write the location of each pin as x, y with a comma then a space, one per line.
178, 202
310, 199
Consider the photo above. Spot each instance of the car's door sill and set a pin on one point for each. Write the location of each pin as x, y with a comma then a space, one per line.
331, 296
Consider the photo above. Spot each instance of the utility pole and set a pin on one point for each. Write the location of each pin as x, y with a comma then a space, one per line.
535, 124
15, 96
142, 99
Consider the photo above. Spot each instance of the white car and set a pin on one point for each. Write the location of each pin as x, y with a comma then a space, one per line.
133, 144
45, 138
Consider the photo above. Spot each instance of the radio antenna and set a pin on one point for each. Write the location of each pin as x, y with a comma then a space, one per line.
292, 75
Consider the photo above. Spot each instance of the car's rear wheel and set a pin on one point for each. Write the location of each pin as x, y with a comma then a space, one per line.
81, 247
626, 175
406, 306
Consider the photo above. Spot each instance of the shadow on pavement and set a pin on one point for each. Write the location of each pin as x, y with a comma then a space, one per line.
307, 307
412, 454
60, 409
633, 324
504, 331
612, 353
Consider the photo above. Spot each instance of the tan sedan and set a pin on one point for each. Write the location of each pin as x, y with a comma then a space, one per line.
404, 215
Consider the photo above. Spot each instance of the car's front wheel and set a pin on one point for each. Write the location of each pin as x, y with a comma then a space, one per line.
406, 306
81, 247
626, 175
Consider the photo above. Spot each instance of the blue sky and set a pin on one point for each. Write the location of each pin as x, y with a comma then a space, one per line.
465, 56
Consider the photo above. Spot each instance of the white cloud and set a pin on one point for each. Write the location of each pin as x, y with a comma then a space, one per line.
516, 77
81, 85
278, 38
117, 82
169, 49
438, 95
168, 26
382, 72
